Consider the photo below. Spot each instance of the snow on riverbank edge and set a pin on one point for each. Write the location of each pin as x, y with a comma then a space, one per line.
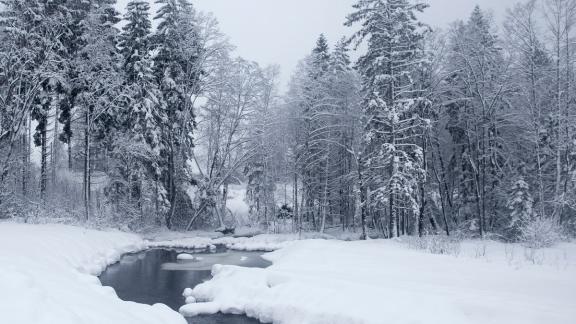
263, 242
258, 242
48, 275
331, 282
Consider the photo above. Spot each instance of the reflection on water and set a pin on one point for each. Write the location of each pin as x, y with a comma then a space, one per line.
156, 276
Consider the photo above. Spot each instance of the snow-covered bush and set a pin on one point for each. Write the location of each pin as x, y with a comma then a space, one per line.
540, 233
520, 203
436, 244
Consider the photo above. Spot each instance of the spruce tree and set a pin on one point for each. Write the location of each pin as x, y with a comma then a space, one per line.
520, 204
392, 158
42, 44
177, 71
138, 126
135, 38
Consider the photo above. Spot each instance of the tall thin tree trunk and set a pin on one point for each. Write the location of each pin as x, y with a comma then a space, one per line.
325, 198
43, 159
558, 181
25, 157
362, 199
54, 154
87, 166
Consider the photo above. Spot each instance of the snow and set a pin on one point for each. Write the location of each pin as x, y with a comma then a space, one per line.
185, 256
326, 281
188, 292
192, 243
261, 242
48, 275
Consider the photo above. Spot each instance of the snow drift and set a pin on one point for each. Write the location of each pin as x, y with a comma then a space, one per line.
48, 275
331, 282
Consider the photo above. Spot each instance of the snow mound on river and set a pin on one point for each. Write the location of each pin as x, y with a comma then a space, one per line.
47, 275
332, 282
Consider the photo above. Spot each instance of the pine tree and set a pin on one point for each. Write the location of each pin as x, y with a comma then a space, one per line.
520, 204
137, 141
177, 71
135, 38
321, 55
74, 42
344, 88
309, 97
394, 38
39, 30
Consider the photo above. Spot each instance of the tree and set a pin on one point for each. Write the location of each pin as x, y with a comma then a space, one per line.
520, 204
532, 68
135, 39
478, 86
138, 126
560, 17
99, 90
392, 159
177, 70
260, 169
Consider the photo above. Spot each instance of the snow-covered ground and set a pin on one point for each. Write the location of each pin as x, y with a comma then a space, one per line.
48, 275
323, 281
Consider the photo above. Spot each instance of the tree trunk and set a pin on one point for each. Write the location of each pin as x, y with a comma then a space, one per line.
171, 187
87, 167
362, 200
44, 159
25, 159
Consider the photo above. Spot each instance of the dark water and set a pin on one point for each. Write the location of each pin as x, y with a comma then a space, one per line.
156, 276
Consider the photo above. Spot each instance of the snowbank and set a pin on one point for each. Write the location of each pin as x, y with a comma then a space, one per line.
264, 242
321, 281
47, 275
191, 243
261, 242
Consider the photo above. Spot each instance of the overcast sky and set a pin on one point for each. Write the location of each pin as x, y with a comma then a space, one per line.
284, 31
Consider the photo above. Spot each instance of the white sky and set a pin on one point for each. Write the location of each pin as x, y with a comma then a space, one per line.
284, 31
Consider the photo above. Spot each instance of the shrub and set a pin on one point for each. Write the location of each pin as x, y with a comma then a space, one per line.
540, 233
436, 244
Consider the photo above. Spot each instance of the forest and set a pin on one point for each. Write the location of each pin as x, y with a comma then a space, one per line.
148, 120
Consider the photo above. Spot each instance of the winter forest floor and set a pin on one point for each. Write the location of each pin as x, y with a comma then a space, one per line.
47, 275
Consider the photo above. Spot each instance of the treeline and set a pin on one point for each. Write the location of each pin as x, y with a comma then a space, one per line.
107, 120
116, 105
467, 131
